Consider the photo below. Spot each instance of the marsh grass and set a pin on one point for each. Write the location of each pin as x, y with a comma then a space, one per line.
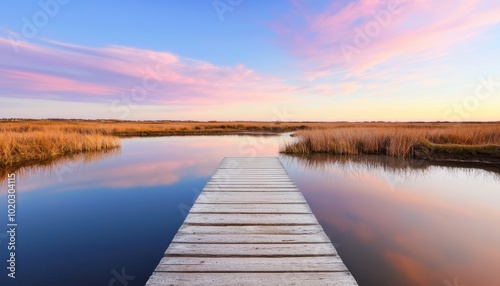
32, 141
456, 141
32, 144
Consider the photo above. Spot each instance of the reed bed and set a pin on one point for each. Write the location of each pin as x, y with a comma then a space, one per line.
33, 141
151, 128
39, 140
33, 144
407, 141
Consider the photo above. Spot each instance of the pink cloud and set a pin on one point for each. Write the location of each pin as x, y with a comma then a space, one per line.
47, 83
71, 72
368, 34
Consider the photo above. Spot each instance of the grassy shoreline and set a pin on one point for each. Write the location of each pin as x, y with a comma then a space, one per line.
26, 142
49, 143
446, 142
58, 165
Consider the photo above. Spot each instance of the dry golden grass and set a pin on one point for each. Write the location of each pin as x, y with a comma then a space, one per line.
152, 128
402, 140
33, 141
24, 143
39, 140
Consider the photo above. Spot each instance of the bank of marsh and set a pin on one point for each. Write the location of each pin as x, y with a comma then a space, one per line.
445, 142
31, 141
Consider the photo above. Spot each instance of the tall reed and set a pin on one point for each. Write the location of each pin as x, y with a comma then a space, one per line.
398, 141
41, 143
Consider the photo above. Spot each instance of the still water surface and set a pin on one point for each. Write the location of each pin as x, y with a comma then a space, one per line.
107, 219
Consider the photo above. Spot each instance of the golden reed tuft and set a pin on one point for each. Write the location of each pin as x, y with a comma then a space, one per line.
392, 139
20, 144
38, 140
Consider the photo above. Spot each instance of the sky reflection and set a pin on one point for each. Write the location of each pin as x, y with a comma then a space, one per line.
399, 225
394, 222
90, 215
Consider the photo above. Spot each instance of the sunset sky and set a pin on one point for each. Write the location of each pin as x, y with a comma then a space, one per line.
251, 59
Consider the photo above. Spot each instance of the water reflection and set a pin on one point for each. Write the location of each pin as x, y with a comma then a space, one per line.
399, 222
394, 222
88, 217
390, 169
59, 166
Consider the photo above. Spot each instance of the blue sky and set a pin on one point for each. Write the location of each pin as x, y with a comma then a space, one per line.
318, 60
188, 28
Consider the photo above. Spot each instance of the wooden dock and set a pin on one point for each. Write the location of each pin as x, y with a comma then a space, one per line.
251, 226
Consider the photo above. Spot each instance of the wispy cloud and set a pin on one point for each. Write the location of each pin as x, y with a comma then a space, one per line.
369, 34
362, 59
64, 71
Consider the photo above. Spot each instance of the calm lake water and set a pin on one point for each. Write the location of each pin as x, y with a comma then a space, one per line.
106, 219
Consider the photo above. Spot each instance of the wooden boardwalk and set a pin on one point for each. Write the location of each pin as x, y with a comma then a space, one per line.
251, 226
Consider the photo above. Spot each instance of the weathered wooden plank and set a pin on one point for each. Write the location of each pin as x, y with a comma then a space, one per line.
234, 162
250, 185
252, 178
276, 183
247, 178
251, 264
258, 279
250, 238
237, 164
251, 208
251, 219
250, 158
239, 167
255, 169
239, 189
275, 177
263, 181
250, 250
250, 197
281, 174
251, 167
251, 229
250, 174
244, 178
270, 195
256, 185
